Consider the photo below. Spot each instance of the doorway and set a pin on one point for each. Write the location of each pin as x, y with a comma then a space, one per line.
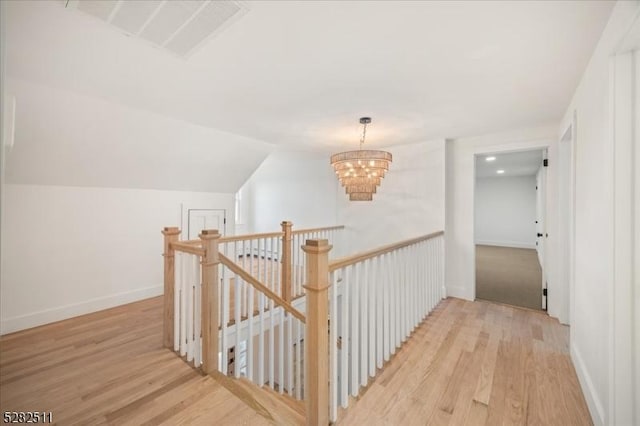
510, 227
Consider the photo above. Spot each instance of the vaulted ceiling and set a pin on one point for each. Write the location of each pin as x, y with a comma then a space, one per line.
300, 73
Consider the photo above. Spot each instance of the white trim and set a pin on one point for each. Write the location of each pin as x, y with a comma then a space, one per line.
529, 145
513, 244
10, 325
593, 402
622, 392
458, 291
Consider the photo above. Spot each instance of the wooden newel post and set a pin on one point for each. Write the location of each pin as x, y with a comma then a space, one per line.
171, 234
210, 311
317, 332
285, 277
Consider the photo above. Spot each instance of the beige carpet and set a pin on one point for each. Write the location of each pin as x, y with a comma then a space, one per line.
509, 275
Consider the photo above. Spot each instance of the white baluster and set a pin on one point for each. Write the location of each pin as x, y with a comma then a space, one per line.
237, 311
434, 273
259, 262
344, 336
198, 314
355, 310
397, 269
298, 383
333, 350
403, 306
364, 317
387, 306
379, 292
190, 311
281, 352
224, 324
272, 332
244, 289
183, 307
289, 355
441, 265
261, 304
178, 277
371, 322
250, 372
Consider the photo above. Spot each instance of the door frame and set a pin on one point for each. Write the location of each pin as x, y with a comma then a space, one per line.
541, 241
505, 149
568, 136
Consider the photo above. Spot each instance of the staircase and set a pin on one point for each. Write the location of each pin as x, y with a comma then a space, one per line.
237, 310
278, 408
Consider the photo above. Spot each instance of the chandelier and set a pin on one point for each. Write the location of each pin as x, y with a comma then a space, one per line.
361, 172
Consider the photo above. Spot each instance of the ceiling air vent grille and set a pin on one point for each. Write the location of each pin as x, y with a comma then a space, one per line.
177, 26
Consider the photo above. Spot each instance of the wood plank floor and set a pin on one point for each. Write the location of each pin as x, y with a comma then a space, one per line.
477, 363
110, 368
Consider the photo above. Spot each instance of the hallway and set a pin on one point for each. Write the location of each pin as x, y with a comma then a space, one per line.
477, 363
468, 363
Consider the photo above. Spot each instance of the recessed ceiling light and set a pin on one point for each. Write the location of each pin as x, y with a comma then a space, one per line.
490, 158
500, 171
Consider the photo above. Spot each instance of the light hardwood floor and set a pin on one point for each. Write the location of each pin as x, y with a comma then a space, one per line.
110, 368
468, 363
477, 363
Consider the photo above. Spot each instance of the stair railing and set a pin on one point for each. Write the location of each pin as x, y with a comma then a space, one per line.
227, 307
373, 302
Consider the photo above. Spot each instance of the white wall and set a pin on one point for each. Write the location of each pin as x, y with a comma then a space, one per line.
296, 186
505, 211
303, 188
73, 250
409, 202
592, 329
89, 185
3, 63
460, 157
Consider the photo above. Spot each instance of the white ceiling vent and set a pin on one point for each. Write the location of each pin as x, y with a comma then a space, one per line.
177, 26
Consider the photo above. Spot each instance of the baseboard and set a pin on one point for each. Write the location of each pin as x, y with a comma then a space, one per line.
9, 325
456, 291
513, 244
593, 402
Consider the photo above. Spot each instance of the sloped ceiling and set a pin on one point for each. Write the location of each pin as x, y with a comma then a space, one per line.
68, 139
300, 74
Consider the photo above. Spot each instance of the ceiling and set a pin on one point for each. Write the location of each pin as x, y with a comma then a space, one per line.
300, 74
525, 163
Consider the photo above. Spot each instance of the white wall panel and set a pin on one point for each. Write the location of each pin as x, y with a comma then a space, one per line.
73, 250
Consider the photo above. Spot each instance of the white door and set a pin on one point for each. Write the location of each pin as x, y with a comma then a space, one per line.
199, 219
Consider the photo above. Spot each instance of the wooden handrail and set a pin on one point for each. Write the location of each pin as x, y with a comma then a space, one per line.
260, 287
188, 248
250, 237
233, 238
359, 257
327, 228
